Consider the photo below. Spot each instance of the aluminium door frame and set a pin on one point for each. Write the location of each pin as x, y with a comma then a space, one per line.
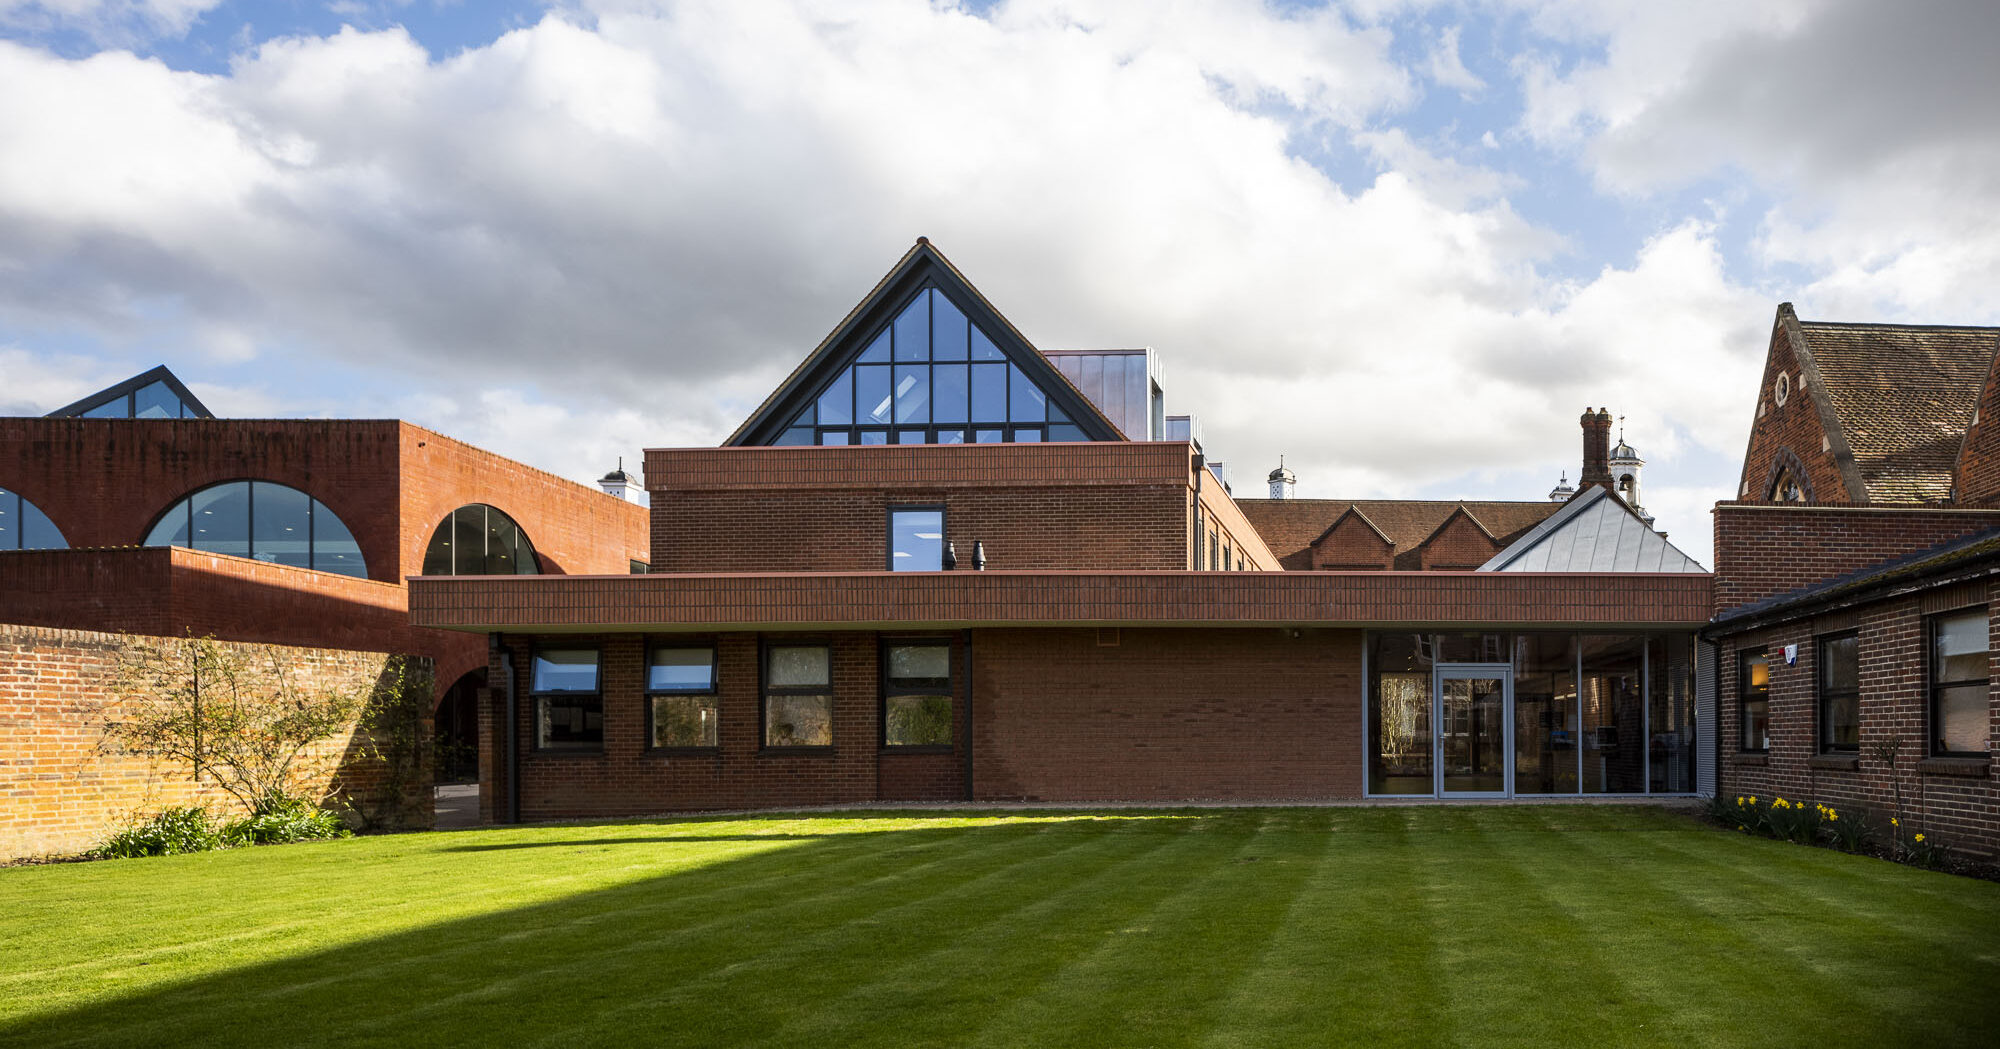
1472, 671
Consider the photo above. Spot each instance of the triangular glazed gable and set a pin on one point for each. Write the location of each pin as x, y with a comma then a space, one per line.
924, 359
153, 394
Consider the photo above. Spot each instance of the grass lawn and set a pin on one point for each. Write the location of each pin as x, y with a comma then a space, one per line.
1533, 926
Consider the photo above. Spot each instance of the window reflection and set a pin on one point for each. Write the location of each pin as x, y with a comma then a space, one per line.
262, 520
23, 526
928, 373
477, 539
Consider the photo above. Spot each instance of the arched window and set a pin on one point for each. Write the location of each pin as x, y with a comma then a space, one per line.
23, 526
477, 539
262, 521
1786, 489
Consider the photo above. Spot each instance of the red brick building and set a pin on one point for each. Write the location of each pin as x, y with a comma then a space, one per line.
1854, 578
136, 511
937, 564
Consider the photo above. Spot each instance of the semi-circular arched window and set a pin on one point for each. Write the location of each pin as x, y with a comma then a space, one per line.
263, 521
23, 525
477, 539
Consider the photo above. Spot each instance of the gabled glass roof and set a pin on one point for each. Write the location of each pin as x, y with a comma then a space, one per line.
930, 376
154, 394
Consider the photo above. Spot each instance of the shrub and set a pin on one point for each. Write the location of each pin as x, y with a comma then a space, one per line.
283, 819
169, 833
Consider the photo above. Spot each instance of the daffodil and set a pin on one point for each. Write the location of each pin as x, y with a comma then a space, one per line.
1920, 837
1894, 822
1834, 816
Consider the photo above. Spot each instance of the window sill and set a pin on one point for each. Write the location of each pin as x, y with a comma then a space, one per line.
928, 748
1973, 767
566, 754
684, 752
1751, 758
795, 752
1835, 762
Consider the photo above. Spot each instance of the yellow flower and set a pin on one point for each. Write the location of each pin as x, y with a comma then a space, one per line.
1894, 822
1753, 799
1739, 799
1835, 816
1920, 837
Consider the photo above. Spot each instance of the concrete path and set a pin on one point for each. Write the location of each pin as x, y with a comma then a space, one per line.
457, 806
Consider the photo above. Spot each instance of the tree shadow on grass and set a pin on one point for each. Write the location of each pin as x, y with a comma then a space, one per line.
748, 949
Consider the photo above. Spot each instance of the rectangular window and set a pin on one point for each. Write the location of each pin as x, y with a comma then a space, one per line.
917, 695
1840, 692
916, 539
1959, 697
569, 709
798, 696
1753, 700
680, 690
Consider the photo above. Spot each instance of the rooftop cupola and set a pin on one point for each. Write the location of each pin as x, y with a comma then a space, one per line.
1563, 490
620, 485
1284, 483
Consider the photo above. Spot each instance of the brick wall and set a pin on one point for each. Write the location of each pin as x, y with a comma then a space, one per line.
175, 592
1977, 477
1167, 715
105, 481
1792, 432
823, 530
1107, 504
629, 778
1060, 715
1762, 550
1352, 546
1460, 544
64, 791
576, 529
1955, 801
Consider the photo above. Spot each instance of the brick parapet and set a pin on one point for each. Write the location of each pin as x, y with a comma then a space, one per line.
1763, 550
871, 599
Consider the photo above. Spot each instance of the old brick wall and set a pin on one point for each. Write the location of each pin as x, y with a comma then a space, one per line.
1792, 432
65, 790
1762, 550
1957, 802
1352, 546
1459, 545
1977, 477
1167, 715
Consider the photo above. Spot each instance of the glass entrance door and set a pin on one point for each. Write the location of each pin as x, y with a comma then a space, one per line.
1471, 713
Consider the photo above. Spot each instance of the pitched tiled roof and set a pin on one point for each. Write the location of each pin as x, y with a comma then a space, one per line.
1904, 396
1289, 526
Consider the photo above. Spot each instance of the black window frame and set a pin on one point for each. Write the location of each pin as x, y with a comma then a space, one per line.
890, 690
1822, 696
185, 506
889, 532
713, 691
765, 690
1743, 700
1934, 687
537, 696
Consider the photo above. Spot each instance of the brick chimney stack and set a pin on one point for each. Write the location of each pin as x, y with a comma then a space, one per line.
1596, 449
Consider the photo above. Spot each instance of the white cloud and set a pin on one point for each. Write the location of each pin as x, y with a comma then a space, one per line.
1870, 125
110, 22
1448, 69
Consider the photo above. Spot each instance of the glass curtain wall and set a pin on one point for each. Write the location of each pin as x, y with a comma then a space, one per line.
1592, 713
931, 377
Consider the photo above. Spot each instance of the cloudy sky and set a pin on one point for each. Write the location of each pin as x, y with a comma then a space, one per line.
1402, 244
